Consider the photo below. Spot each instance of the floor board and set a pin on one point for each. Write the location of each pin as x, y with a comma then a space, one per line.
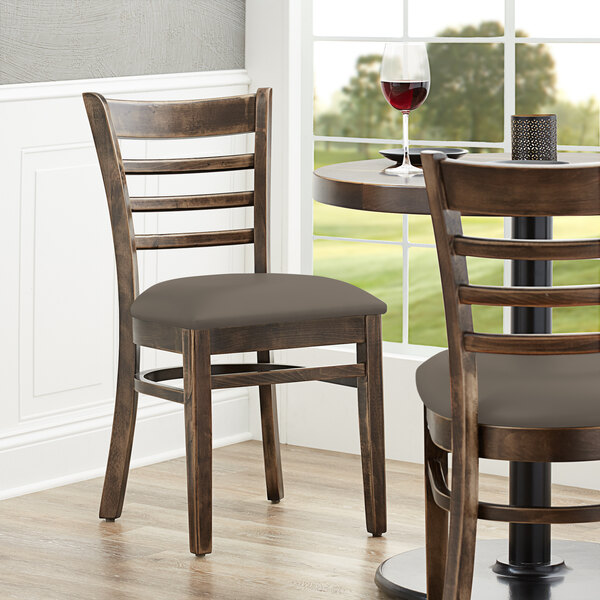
311, 545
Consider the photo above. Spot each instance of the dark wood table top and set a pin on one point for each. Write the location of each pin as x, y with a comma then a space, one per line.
363, 186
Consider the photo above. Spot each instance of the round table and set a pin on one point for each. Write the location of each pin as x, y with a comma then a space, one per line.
362, 185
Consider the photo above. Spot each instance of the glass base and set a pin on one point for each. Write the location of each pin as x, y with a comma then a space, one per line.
403, 170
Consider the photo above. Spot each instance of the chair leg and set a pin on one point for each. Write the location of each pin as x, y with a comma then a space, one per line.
460, 561
198, 438
270, 436
436, 523
119, 454
370, 421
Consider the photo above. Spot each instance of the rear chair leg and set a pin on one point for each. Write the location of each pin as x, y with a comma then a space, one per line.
436, 523
198, 437
270, 436
119, 455
370, 420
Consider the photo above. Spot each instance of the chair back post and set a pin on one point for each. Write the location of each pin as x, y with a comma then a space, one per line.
453, 273
262, 178
115, 185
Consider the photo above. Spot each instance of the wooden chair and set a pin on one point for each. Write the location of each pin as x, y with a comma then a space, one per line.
219, 314
541, 404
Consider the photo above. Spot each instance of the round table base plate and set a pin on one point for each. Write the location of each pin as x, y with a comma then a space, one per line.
403, 575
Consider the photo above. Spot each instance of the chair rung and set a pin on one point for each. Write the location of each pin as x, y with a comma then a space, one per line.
172, 166
194, 240
556, 343
581, 295
201, 202
241, 375
146, 382
527, 249
287, 376
512, 514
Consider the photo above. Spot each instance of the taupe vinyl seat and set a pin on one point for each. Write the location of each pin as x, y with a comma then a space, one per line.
522, 391
241, 299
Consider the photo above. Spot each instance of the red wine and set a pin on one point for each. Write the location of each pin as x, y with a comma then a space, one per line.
405, 95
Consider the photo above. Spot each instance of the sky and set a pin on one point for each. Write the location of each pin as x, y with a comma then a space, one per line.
575, 63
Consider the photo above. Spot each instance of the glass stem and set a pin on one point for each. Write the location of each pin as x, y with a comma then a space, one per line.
406, 161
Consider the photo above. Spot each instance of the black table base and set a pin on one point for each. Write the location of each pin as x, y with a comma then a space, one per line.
578, 578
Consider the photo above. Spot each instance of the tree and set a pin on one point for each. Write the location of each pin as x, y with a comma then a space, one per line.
364, 111
466, 100
329, 124
577, 123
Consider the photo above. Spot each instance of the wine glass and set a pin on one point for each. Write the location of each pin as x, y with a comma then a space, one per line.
405, 85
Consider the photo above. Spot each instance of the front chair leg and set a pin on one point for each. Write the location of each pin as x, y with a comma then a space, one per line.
370, 420
198, 438
119, 455
270, 436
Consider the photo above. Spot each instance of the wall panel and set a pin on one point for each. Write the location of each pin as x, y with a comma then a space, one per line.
59, 330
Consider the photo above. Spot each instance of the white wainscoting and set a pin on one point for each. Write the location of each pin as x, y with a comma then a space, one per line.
59, 302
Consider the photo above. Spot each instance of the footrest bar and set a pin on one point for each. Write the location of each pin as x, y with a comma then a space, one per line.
488, 511
241, 375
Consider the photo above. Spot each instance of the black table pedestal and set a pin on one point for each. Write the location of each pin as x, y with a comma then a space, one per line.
530, 483
528, 571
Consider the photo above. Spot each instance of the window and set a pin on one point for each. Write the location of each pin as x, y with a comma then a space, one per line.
488, 60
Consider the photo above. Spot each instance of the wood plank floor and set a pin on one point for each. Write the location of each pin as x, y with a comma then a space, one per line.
311, 545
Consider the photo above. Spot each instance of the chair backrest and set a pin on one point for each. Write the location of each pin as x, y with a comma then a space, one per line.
111, 120
457, 188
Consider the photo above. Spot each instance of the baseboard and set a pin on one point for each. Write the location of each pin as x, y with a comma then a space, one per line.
33, 461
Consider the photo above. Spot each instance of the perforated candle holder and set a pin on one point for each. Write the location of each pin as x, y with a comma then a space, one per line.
533, 137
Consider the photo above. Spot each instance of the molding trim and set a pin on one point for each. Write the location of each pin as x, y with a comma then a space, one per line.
96, 419
123, 85
159, 436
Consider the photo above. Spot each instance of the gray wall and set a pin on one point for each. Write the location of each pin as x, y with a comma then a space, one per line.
50, 40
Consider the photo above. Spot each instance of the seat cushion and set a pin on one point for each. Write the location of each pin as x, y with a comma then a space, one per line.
240, 299
522, 391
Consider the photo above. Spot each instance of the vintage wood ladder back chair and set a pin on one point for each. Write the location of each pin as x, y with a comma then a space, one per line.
523, 398
220, 314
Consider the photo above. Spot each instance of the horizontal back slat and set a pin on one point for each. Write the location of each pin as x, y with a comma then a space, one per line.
576, 295
173, 166
527, 249
556, 343
179, 119
194, 240
192, 202
519, 190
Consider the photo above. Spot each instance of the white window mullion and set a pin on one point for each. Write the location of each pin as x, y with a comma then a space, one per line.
509, 69
405, 270
444, 143
510, 93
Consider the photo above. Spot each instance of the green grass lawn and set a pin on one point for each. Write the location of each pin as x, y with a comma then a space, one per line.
378, 267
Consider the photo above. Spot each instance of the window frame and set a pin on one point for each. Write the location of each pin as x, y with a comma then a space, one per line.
509, 41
